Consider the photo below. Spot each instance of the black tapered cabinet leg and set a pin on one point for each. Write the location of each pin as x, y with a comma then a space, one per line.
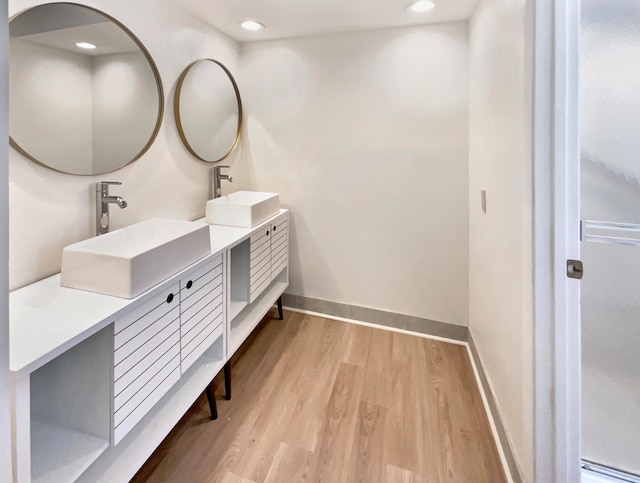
212, 402
280, 315
227, 381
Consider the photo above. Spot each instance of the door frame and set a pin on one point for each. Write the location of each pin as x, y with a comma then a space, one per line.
556, 228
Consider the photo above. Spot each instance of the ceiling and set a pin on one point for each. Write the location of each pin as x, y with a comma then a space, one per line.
296, 18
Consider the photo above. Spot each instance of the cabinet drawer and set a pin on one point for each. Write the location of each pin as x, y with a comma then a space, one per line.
144, 333
199, 282
155, 308
128, 416
192, 351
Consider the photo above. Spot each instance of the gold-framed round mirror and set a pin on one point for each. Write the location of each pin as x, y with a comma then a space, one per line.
86, 97
208, 110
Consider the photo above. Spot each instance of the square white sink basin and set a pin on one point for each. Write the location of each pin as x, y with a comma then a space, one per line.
245, 209
129, 261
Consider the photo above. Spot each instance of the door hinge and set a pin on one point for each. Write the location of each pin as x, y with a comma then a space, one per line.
575, 269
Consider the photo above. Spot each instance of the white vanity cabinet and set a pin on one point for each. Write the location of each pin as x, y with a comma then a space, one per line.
268, 254
99, 381
258, 274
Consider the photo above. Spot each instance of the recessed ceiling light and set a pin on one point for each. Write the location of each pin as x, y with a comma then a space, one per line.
422, 6
251, 25
85, 45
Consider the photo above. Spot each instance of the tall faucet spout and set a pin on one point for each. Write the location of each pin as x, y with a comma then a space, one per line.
118, 200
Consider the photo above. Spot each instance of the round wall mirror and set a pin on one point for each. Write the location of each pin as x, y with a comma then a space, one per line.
85, 95
208, 110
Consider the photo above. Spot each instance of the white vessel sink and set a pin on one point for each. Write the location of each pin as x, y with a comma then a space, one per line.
245, 209
126, 262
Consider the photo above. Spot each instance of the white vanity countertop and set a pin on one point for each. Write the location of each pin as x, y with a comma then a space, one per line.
46, 319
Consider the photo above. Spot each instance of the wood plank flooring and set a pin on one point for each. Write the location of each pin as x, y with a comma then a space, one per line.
318, 400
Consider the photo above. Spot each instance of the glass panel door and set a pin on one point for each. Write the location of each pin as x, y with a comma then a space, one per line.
610, 193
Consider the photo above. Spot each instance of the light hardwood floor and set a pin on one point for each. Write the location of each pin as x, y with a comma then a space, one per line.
319, 400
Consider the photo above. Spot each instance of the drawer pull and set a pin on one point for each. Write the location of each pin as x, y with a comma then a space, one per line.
267, 232
170, 298
274, 227
189, 284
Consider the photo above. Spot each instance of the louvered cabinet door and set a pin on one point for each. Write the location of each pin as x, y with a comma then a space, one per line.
146, 358
259, 262
279, 244
202, 311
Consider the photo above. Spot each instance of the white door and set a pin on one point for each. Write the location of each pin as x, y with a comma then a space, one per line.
610, 250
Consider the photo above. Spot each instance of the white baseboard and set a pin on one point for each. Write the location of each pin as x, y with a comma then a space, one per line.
492, 422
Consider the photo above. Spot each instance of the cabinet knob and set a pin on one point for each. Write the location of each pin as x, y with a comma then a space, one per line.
274, 227
170, 298
189, 284
267, 232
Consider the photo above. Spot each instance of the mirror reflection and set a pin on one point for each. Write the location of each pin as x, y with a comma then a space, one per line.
208, 110
85, 96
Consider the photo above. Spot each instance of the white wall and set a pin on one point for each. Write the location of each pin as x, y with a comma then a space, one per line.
610, 185
5, 432
500, 246
50, 210
364, 135
56, 128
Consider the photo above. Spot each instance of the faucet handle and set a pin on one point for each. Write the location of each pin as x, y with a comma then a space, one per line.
104, 185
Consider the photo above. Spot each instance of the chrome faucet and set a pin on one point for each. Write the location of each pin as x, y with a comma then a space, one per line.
217, 177
102, 205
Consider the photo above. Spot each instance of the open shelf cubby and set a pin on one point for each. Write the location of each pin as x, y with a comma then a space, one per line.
71, 410
243, 323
